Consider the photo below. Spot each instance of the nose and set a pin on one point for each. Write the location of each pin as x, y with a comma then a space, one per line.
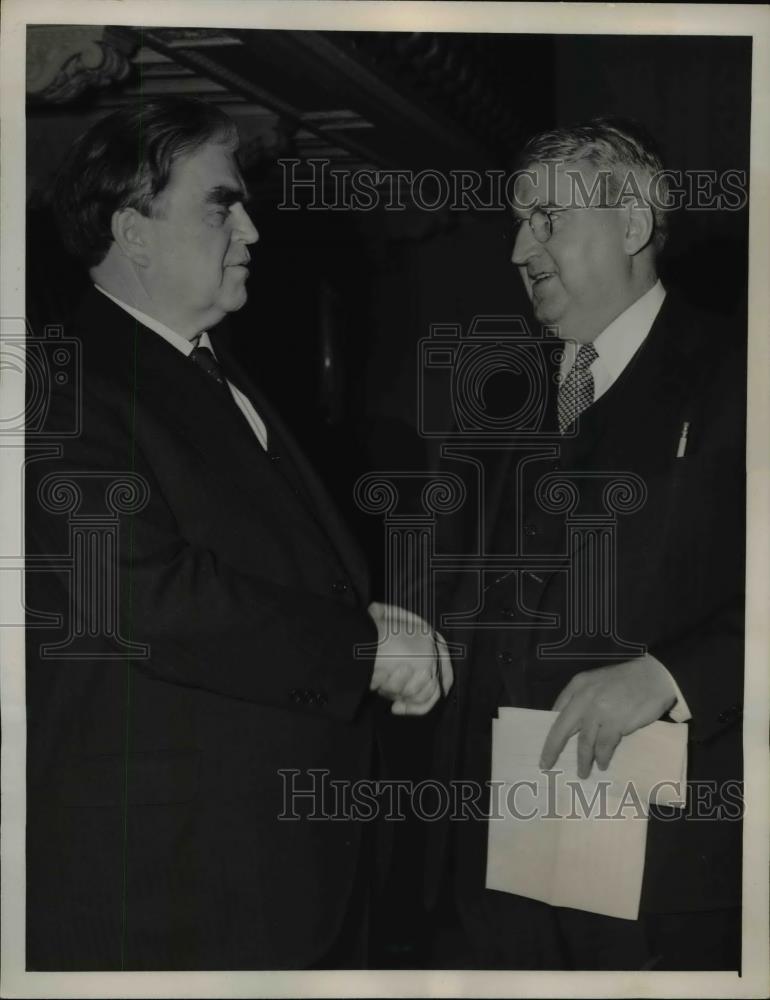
244, 229
525, 245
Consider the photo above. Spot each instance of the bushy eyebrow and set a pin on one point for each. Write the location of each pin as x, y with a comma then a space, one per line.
222, 194
547, 206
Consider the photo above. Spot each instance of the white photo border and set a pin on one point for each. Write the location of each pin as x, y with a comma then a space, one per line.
546, 18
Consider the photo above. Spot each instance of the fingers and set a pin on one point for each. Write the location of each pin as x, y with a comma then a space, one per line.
409, 680
390, 680
418, 693
585, 748
582, 712
419, 687
400, 707
594, 742
413, 671
576, 715
437, 684
566, 725
606, 743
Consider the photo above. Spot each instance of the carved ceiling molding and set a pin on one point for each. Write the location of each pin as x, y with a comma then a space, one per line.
196, 38
463, 75
65, 60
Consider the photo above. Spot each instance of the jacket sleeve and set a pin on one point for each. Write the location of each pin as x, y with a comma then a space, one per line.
708, 667
205, 623
707, 658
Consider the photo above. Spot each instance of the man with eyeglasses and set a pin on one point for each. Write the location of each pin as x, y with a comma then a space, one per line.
643, 385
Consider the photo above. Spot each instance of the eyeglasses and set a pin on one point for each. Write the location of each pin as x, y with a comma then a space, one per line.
540, 222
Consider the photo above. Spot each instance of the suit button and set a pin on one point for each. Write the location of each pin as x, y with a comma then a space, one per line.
274, 457
505, 656
339, 587
508, 612
530, 530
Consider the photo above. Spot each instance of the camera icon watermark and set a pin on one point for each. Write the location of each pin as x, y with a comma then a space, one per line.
33, 368
496, 381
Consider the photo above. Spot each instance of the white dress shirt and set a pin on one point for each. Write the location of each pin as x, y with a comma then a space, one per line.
618, 342
615, 346
186, 347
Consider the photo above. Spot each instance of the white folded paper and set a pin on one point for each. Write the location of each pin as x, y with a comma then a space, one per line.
572, 842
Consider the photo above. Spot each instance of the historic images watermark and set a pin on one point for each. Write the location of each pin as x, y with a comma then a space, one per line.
32, 366
313, 185
315, 795
90, 503
459, 365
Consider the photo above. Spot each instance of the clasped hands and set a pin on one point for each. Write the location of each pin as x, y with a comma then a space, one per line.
412, 667
604, 705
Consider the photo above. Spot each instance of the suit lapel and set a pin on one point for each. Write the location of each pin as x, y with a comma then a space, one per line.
164, 382
635, 426
632, 422
499, 488
281, 442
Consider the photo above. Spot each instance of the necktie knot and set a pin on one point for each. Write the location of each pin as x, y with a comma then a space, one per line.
576, 393
585, 357
205, 360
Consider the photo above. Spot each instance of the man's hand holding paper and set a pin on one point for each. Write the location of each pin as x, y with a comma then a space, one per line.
572, 842
604, 705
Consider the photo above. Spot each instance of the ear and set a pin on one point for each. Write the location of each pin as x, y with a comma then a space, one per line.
130, 232
640, 226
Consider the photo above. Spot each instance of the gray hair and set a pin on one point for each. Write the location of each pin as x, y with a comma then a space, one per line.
620, 149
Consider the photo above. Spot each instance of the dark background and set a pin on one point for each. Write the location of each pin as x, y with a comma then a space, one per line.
361, 288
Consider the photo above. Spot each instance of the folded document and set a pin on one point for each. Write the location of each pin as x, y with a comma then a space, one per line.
572, 842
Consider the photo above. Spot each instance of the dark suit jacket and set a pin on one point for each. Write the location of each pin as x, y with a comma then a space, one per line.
680, 584
153, 781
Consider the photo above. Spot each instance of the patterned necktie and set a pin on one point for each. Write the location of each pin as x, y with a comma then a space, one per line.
205, 360
576, 392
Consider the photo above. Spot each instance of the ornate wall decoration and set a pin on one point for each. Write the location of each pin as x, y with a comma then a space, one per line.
63, 61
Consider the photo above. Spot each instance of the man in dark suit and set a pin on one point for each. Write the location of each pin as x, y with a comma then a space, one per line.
649, 396
206, 671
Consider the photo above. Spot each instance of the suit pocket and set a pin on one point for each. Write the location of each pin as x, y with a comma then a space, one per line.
154, 778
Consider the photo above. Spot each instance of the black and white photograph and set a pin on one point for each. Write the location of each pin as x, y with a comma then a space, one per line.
385, 441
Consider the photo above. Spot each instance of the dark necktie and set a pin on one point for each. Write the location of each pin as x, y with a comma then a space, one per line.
205, 360
576, 393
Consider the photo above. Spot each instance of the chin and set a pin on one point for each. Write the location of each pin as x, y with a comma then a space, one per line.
545, 315
235, 301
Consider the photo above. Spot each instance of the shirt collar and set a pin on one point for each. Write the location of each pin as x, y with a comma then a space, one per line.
619, 341
181, 343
